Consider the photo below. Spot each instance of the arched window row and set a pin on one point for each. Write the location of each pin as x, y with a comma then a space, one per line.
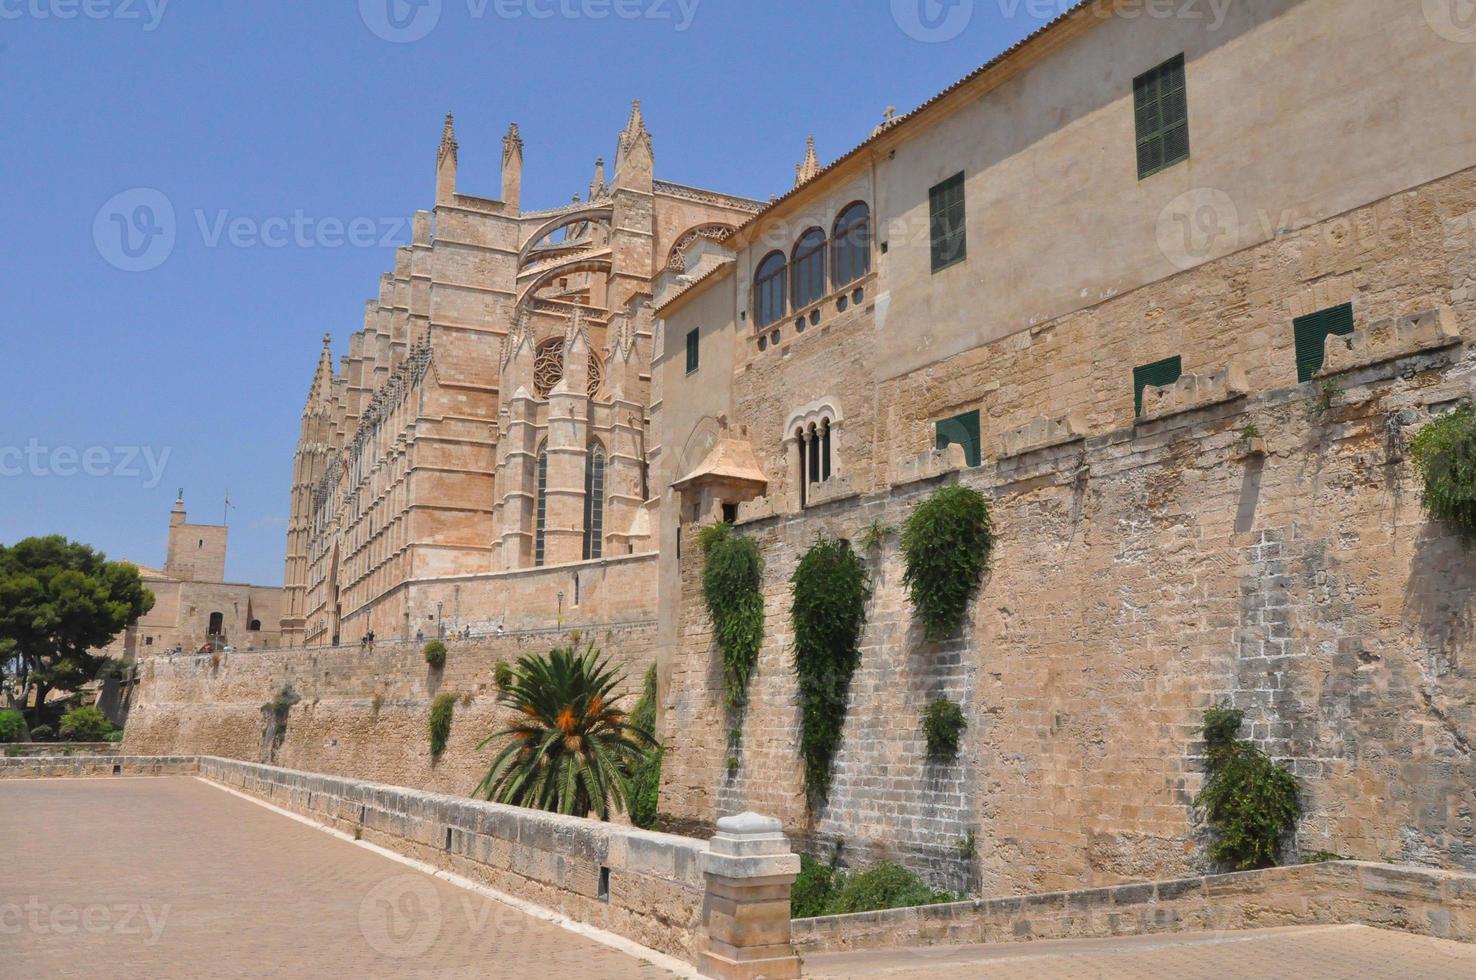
815, 266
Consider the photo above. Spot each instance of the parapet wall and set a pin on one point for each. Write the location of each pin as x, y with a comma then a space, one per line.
645, 886
357, 713
1431, 903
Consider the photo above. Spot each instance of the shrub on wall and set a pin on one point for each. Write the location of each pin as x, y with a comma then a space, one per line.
1444, 451
12, 726
946, 544
645, 777
943, 724
441, 713
43, 733
732, 585
87, 724
820, 890
829, 611
1252, 803
435, 654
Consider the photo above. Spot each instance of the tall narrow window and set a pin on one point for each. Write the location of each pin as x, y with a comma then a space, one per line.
694, 351
808, 278
541, 511
1161, 108
962, 430
594, 502
1311, 334
769, 292
824, 450
850, 245
802, 443
814, 436
946, 223
1159, 374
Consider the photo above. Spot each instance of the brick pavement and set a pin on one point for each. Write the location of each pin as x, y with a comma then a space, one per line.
174, 878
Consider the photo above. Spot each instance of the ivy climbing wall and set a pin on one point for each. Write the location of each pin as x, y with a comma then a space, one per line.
1138, 578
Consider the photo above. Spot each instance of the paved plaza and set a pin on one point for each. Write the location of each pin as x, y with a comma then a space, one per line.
175, 878
172, 877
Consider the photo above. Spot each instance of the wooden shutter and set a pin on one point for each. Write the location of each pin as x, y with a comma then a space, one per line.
1161, 114
963, 430
1158, 374
1311, 333
693, 352
946, 222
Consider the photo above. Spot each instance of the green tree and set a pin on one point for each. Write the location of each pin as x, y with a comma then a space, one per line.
59, 602
87, 724
572, 747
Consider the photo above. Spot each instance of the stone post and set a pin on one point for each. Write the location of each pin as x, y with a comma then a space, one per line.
749, 869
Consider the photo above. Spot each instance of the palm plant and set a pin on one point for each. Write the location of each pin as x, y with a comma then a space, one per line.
573, 748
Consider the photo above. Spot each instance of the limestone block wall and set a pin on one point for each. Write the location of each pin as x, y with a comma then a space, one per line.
1431, 903
653, 893
1140, 576
358, 714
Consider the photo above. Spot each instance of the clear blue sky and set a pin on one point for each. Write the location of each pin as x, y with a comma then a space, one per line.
271, 109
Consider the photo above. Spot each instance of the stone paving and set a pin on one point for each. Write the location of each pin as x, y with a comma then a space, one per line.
1303, 953
171, 877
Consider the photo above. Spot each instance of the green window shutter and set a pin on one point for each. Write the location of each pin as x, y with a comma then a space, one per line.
946, 222
963, 430
1311, 333
693, 351
1161, 115
1158, 374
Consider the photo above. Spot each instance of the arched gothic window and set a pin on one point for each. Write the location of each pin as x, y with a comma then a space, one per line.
808, 278
814, 447
850, 247
594, 502
540, 519
768, 290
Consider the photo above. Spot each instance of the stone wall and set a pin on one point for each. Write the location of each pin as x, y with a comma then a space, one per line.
1431, 903
1140, 576
357, 713
93, 766
651, 892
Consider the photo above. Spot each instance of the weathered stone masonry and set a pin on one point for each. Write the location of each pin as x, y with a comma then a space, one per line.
1143, 572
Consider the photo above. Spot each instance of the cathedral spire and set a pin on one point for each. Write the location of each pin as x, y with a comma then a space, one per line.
512, 168
446, 163
323, 376
807, 169
597, 188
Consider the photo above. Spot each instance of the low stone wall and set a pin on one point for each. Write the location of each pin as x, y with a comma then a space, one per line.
356, 712
92, 766
60, 748
645, 886
1419, 900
